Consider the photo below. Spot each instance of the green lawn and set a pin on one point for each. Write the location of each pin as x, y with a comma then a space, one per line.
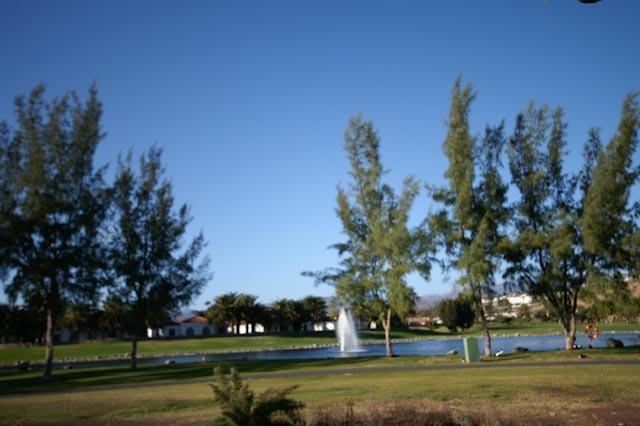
564, 392
11, 354
13, 381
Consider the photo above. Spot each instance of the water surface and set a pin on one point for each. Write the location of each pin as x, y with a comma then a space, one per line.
420, 347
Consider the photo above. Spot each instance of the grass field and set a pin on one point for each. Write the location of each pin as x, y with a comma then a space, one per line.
180, 393
13, 381
10, 354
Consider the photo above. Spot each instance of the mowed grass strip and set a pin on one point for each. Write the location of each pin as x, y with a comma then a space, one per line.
9, 354
524, 391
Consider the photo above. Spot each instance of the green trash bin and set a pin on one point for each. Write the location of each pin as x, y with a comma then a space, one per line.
471, 352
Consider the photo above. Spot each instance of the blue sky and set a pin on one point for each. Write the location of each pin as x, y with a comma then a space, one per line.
250, 100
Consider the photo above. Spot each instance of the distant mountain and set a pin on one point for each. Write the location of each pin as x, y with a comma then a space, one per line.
432, 300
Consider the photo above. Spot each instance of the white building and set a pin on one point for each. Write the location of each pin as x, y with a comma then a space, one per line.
519, 299
245, 328
514, 299
319, 326
187, 326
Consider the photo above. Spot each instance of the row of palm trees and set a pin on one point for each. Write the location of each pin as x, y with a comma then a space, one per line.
233, 309
19, 324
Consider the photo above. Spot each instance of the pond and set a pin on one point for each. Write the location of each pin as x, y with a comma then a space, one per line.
419, 347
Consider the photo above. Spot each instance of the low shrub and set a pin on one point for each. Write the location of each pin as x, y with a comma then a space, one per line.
241, 407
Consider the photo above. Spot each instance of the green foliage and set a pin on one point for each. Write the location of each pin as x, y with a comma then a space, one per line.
241, 407
114, 318
457, 313
610, 231
286, 314
470, 222
614, 306
154, 274
543, 255
380, 249
81, 317
223, 311
64, 234
52, 205
314, 309
473, 204
20, 324
524, 312
574, 233
231, 309
247, 309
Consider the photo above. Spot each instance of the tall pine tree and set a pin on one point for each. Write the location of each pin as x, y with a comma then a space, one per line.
380, 249
154, 274
470, 223
543, 252
53, 205
572, 232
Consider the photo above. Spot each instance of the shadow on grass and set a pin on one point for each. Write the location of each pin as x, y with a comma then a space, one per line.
26, 383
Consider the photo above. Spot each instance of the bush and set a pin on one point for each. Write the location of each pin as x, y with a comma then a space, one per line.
241, 407
524, 312
456, 313
506, 320
541, 315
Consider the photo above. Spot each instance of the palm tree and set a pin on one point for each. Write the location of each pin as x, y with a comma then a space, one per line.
114, 317
245, 307
314, 309
284, 313
224, 312
76, 318
262, 315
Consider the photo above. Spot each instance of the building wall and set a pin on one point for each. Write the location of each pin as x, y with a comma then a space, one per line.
185, 329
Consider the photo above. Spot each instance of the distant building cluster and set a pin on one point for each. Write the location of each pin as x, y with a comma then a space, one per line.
199, 326
515, 299
196, 326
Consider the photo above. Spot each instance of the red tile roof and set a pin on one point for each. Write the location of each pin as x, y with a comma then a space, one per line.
196, 319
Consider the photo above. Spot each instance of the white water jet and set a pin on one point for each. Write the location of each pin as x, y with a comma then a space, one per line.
346, 332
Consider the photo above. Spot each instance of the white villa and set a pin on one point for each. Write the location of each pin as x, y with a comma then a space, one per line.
184, 326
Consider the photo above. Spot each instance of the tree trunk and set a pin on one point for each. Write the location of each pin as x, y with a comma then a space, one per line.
477, 295
569, 332
569, 324
386, 324
48, 352
485, 327
134, 352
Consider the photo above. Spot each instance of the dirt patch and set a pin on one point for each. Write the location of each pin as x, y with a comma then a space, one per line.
168, 422
611, 414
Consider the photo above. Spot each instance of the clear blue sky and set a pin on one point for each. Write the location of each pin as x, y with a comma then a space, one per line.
250, 99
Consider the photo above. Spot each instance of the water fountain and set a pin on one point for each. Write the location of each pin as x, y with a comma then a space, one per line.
346, 332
